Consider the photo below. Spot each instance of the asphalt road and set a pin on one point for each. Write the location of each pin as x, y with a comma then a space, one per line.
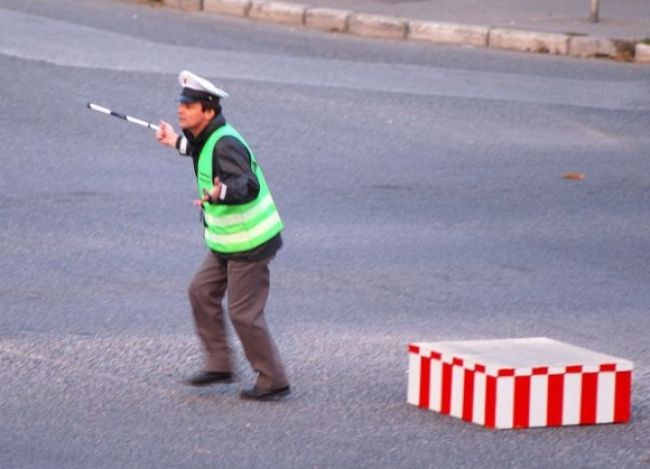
422, 193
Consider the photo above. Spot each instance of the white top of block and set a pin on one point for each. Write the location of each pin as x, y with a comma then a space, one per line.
522, 355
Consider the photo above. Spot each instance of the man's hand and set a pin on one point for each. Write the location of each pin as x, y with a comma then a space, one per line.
212, 196
166, 135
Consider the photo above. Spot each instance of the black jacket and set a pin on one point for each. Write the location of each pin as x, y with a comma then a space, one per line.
231, 162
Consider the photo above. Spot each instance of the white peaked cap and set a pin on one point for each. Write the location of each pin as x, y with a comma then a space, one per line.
196, 88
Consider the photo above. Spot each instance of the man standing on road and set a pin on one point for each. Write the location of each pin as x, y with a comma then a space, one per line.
242, 232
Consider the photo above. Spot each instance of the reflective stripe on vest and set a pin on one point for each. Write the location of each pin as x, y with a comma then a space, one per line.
236, 228
243, 237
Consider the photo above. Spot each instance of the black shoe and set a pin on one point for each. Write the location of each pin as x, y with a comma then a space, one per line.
203, 378
256, 394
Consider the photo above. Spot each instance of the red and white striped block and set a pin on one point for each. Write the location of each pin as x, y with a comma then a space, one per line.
519, 383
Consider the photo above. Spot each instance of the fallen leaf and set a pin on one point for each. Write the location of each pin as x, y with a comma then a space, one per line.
576, 176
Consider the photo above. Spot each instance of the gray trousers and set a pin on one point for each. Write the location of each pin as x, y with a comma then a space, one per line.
247, 285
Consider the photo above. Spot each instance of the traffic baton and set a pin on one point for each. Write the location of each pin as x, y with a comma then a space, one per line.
127, 118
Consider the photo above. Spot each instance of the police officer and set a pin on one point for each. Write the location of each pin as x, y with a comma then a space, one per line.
242, 232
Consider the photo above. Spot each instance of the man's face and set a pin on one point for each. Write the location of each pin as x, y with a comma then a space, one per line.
192, 117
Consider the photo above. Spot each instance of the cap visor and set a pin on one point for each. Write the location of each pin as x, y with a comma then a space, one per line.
187, 99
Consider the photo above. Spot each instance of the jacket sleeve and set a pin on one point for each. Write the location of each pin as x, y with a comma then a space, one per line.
183, 146
232, 163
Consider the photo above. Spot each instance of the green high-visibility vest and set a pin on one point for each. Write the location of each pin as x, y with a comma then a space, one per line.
236, 228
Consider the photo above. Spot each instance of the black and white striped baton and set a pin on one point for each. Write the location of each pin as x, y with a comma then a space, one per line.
133, 120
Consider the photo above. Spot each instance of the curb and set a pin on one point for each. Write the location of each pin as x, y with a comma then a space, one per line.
328, 19
642, 53
529, 41
448, 33
278, 12
379, 26
396, 28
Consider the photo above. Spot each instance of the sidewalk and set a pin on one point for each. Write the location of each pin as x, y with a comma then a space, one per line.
548, 26
619, 19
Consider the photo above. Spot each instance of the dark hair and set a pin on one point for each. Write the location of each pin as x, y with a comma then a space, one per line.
214, 105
